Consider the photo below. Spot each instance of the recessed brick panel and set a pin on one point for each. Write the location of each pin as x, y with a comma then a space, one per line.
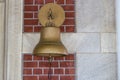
37, 67
31, 9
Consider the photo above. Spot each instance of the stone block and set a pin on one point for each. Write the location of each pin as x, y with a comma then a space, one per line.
108, 42
96, 66
74, 42
95, 15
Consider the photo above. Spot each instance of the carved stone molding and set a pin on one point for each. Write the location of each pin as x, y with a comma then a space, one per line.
13, 44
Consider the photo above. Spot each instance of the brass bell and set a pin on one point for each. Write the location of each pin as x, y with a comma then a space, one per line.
51, 17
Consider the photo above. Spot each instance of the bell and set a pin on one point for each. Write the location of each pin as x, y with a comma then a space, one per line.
50, 43
51, 16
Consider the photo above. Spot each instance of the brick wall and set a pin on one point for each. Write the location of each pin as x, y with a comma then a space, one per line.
31, 8
36, 68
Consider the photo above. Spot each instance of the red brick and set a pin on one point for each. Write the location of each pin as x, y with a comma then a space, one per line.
27, 71
28, 29
70, 71
70, 29
69, 22
54, 64
30, 64
58, 58
31, 22
68, 7
49, 1
31, 8
67, 77
28, 15
39, 1
47, 70
69, 57
46, 58
37, 58
35, 15
55, 78
37, 71
59, 1
30, 78
70, 14
58, 71
70, 1
62, 29
67, 64
44, 64
46, 78
27, 57
47, 64
28, 1
43, 77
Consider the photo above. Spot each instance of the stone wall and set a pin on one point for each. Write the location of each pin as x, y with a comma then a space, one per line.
96, 17
94, 41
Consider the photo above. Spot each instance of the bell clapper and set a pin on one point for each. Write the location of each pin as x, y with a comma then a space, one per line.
50, 69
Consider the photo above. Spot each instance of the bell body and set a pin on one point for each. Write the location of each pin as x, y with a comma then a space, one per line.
50, 43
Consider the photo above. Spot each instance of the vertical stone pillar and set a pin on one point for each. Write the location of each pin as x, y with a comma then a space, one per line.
118, 34
13, 39
1, 39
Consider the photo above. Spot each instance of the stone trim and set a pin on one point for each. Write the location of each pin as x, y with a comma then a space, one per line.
13, 44
72, 41
2, 5
118, 35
